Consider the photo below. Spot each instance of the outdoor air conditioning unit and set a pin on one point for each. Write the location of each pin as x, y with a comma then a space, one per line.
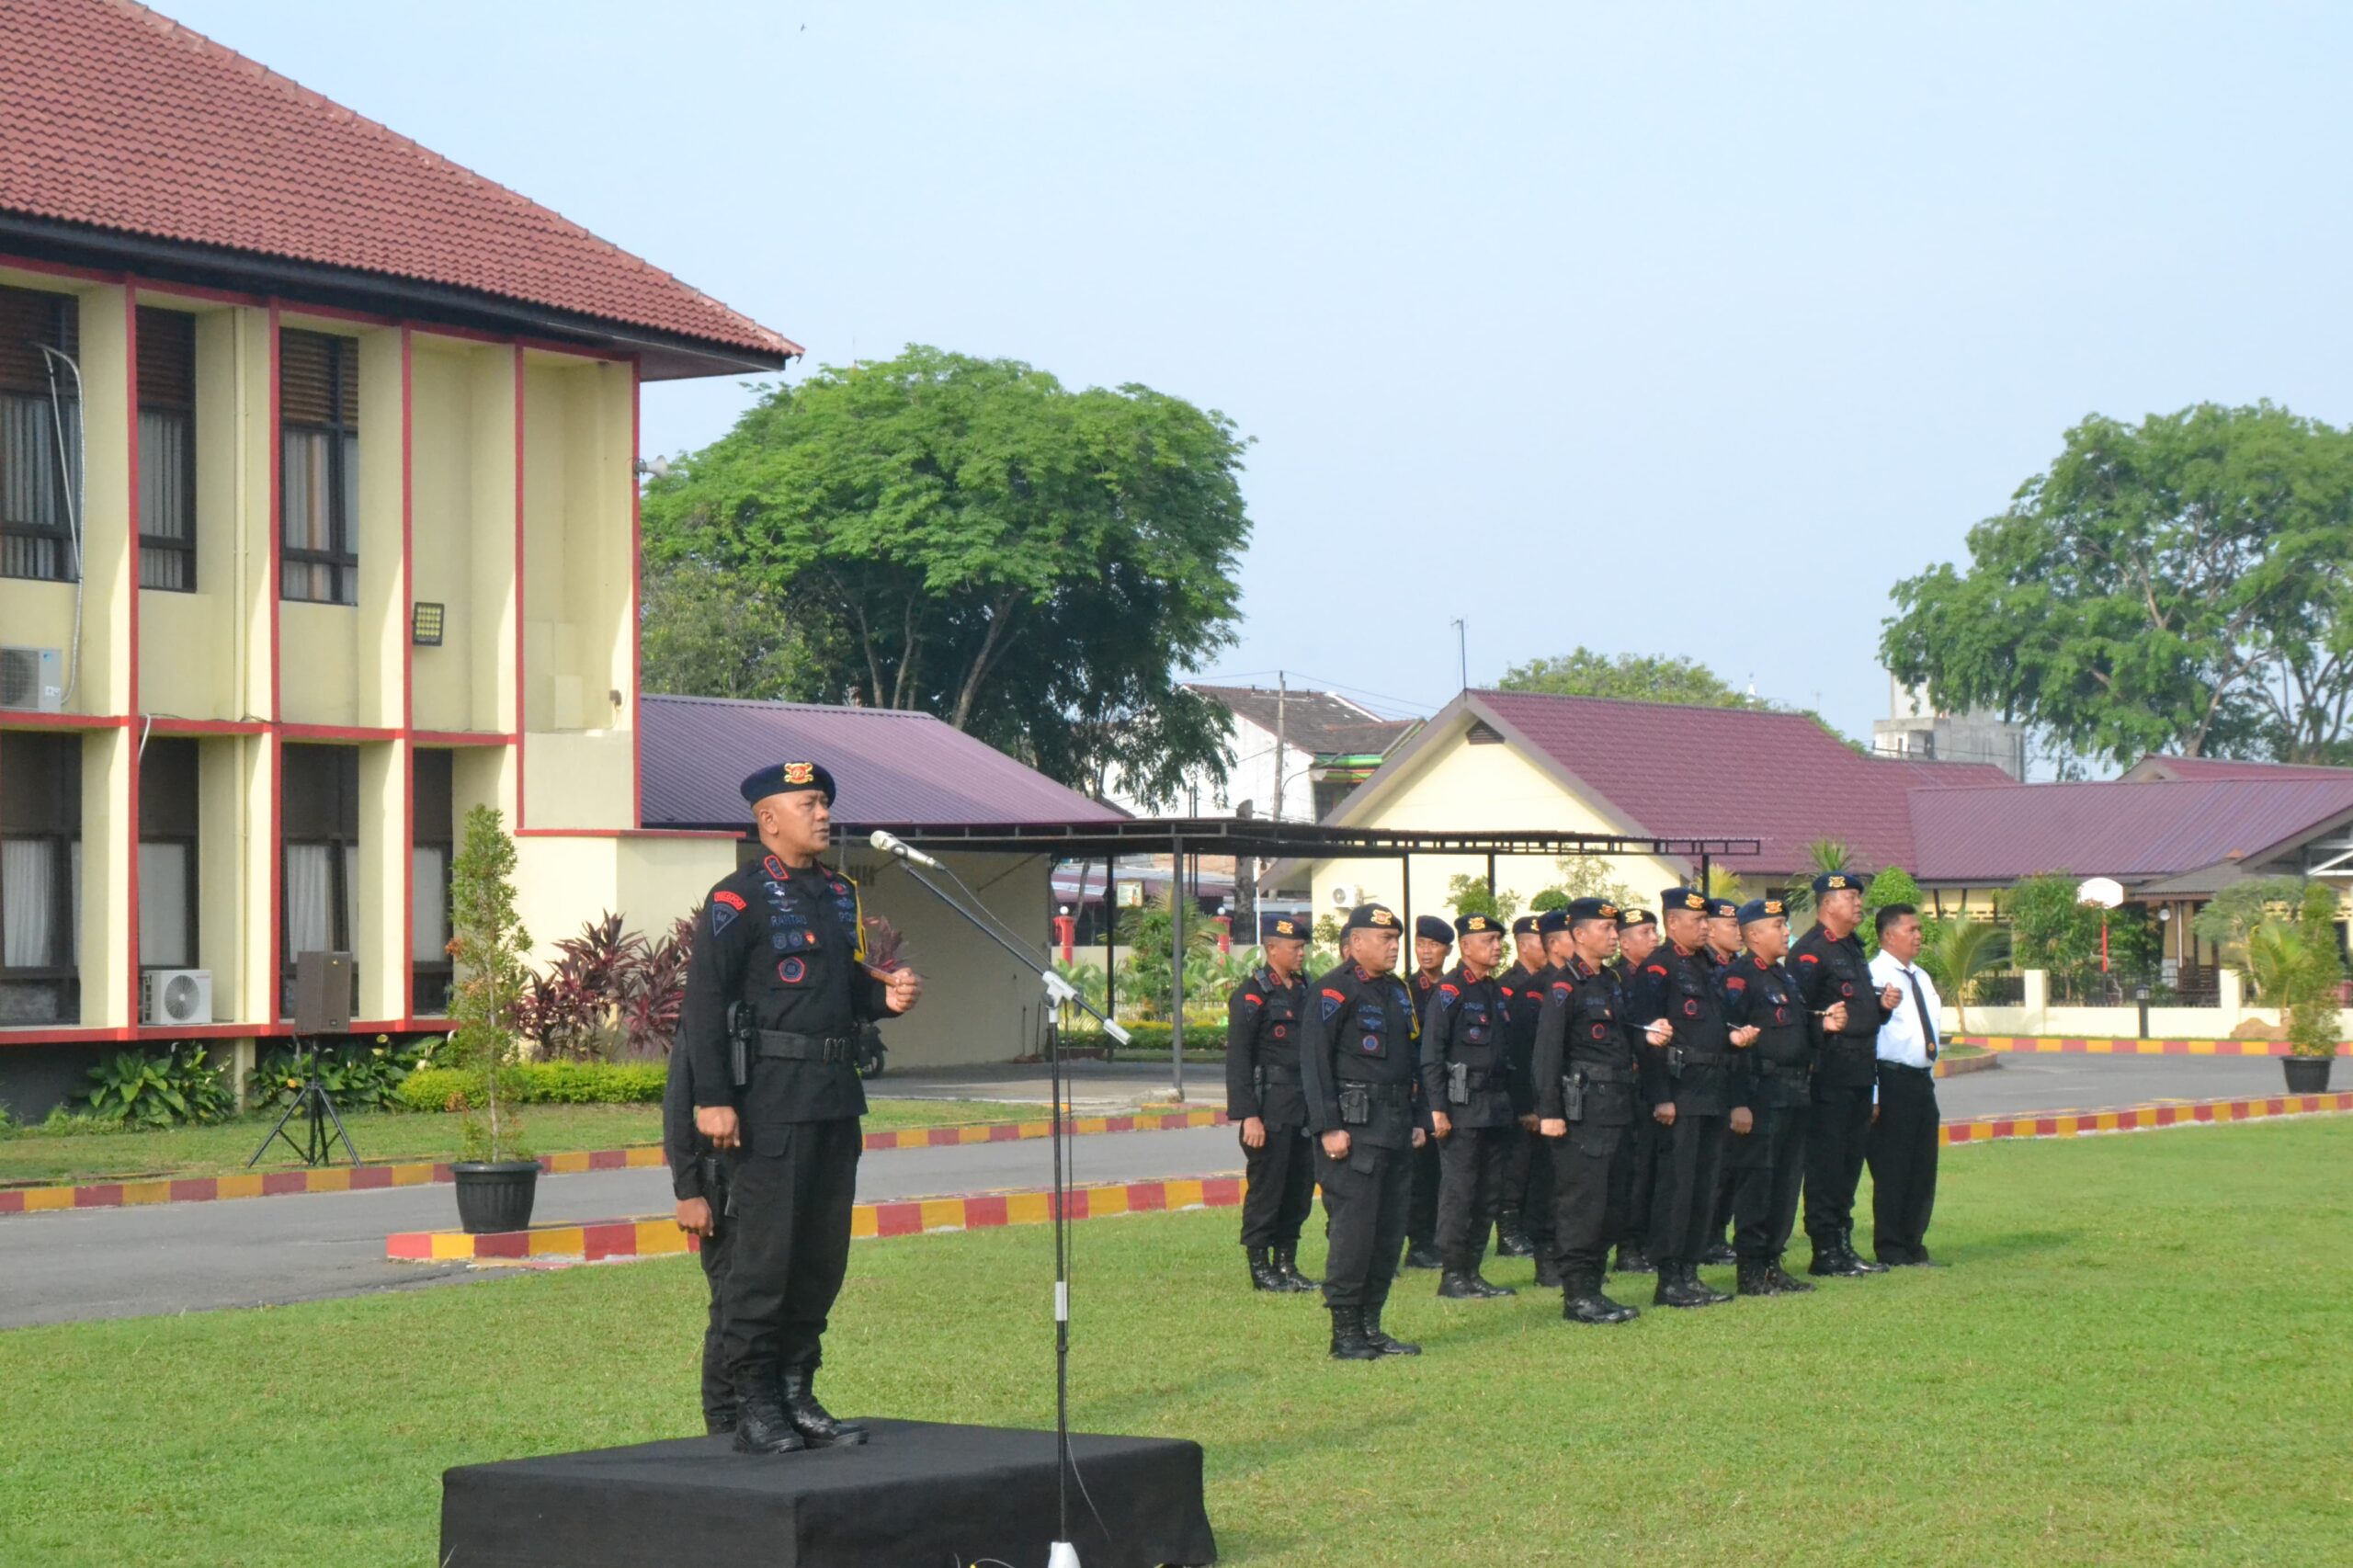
33, 678
1344, 896
176, 997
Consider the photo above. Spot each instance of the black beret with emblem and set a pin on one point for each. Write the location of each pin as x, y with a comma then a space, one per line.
1583, 909
1431, 928
1757, 909
1523, 927
1723, 909
1272, 927
1369, 917
1552, 920
788, 779
1630, 918
1683, 898
1472, 925
1834, 882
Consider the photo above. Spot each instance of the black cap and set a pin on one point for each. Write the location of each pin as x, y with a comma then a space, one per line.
1630, 918
1723, 909
1369, 917
1762, 909
1430, 928
1683, 898
1280, 927
1552, 920
1472, 925
788, 779
1583, 909
1832, 881
1523, 927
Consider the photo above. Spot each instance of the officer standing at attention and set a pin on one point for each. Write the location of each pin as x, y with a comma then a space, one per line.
1466, 1071
698, 1182
1359, 1058
1768, 1162
1829, 966
1689, 1086
1587, 1099
1262, 1098
1904, 1134
1637, 939
1433, 940
1723, 951
782, 943
1525, 1227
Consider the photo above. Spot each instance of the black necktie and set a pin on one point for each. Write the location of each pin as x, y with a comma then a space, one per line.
1927, 1024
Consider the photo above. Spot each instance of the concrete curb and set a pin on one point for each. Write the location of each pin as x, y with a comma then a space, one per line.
2138, 1119
1962, 1066
2118, 1046
369, 1179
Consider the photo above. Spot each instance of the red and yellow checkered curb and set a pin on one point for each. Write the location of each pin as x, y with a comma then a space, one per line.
367, 1178
2140, 1119
2128, 1047
655, 1238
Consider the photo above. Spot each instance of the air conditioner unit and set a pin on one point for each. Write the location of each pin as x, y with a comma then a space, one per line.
1344, 896
176, 997
32, 679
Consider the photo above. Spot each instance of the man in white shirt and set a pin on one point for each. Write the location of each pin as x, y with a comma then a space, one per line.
1902, 1149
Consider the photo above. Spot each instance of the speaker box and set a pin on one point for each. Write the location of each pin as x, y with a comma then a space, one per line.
321, 993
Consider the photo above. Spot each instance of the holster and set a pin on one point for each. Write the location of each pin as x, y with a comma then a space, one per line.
1571, 1098
1674, 1061
739, 1043
1458, 1082
715, 1188
1355, 1105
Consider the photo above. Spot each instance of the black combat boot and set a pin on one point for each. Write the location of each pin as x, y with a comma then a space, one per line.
1262, 1271
1423, 1257
1784, 1283
1383, 1343
1709, 1295
1286, 1270
1455, 1286
811, 1420
1511, 1236
1632, 1260
1678, 1286
1832, 1261
1862, 1263
761, 1425
1755, 1279
1488, 1290
1548, 1269
1582, 1301
1348, 1343
717, 1423
1718, 1252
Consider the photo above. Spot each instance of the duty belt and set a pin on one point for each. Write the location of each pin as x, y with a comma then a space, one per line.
1275, 1074
1773, 1069
1593, 1072
1706, 1057
1394, 1091
782, 1045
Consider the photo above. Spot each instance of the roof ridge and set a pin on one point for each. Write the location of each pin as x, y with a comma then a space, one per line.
791, 704
1756, 710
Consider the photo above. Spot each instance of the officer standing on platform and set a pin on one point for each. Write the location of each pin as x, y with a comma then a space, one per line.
1768, 1162
781, 944
1829, 965
1690, 1088
1637, 939
1525, 1227
1466, 1068
1433, 940
1359, 1058
1263, 1098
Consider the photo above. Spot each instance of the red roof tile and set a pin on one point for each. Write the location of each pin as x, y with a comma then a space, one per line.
2132, 831
2157, 768
118, 119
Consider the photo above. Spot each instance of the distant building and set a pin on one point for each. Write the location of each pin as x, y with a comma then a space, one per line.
1916, 729
1297, 754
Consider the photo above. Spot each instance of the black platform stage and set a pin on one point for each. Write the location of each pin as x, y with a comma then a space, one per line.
920, 1494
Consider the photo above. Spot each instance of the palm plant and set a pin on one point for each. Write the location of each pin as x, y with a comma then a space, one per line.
1955, 951
1725, 882
1823, 854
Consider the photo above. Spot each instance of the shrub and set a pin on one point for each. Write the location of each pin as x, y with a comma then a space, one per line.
538, 1083
610, 993
2312, 1018
488, 942
141, 1089
359, 1076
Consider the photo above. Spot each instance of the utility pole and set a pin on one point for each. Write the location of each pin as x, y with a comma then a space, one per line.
1462, 654
1282, 694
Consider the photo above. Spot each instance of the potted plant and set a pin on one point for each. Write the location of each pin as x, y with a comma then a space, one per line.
2313, 1016
497, 1179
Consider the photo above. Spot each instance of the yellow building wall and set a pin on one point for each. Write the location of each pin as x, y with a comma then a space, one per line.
192, 657
462, 528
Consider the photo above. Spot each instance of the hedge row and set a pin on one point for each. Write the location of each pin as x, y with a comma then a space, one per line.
1201, 1034
542, 1082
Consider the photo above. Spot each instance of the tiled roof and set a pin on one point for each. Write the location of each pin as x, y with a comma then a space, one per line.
893, 768
2131, 832
1321, 722
1668, 771
2158, 767
118, 119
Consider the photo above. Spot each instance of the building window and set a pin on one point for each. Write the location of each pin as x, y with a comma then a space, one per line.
168, 838
40, 878
430, 969
167, 450
319, 814
39, 430
318, 498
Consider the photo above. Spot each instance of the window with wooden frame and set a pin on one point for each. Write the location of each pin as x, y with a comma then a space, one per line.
40, 877
40, 428
166, 449
318, 495
167, 858
319, 826
431, 846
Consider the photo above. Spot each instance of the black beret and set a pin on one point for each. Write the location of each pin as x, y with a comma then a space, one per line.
1630, 918
1523, 927
1583, 909
1683, 898
1272, 927
1552, 920
1762, 909
788, 779
1832, 881
1472, 925
1434, 929
1369, 917
1722, 908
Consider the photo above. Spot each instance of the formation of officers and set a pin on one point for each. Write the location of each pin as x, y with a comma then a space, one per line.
1646, 1083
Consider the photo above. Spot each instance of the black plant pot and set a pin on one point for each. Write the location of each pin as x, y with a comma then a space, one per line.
2307, 1074
495, 1195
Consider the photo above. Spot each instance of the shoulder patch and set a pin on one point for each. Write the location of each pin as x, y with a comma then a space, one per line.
1735, 982
1448, 995
1562, 990
732, 899
1331, 1002
1656, 969
1253, 999
1808, 958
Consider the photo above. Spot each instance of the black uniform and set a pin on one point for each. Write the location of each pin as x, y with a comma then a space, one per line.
1768, 1163
1845, 1068
1697, 1072
1421, 1210
1527, 1169
696, 1171
1466, 1073
1262, 1025
1586, 1074
1357, 1064
1638, 1171
789, 945
1720, 1216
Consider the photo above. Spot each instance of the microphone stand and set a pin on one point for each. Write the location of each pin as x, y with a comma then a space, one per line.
1061, 1554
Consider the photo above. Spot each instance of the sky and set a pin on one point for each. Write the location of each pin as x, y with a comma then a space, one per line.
1667, 328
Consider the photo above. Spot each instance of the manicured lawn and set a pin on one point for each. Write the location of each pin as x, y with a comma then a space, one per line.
551, 1129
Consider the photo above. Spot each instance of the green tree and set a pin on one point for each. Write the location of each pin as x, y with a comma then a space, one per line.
1469, 895
1822, 855
2052, 929
970, 538
1956, 952
708, 633
2178, 585
1641, 677
2232, 914
2313, 1016
487, 945
1892, 885
1146, 979
1583, 875
1725, 882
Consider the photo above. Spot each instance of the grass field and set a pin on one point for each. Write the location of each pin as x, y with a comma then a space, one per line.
2139, 1356
35, 1157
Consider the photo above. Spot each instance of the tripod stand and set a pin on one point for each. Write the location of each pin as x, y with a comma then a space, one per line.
318, 1108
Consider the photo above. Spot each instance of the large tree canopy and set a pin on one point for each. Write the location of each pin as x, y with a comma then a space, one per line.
1642, 677
970, 538
2180, 586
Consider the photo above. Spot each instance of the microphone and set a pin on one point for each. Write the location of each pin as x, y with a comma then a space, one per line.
892, 844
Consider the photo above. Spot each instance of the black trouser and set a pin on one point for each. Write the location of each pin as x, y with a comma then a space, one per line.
1835, 1141
1903, 1162
1637, 1171
718, 1393
1281, 1187
1690, 1153
792, 1191
1586, 1185
1528, 1178
1421, 1209
1720, 1215
1768, 1166
1471, 1164
1365, 1195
